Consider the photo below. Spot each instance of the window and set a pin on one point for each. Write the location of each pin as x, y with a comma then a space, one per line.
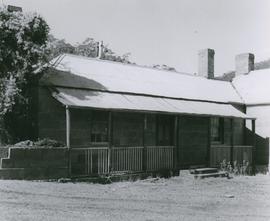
217, 129
99, 129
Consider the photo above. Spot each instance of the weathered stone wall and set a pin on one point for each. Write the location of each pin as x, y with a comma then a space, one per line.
80, 128
51, 117
35, 163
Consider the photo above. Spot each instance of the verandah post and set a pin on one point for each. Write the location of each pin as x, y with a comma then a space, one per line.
208, 154
253, 147
110, 130
231, 141
68, 138
175, 152
144, 156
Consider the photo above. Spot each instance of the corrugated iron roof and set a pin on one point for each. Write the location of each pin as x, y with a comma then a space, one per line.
90, 73
254, 87
115, 101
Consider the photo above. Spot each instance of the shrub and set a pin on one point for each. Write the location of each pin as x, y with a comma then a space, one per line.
237, 168
49, 142
46, 142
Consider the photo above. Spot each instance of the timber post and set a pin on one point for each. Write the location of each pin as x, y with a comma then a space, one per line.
175, 153
144, 156
231, 141
253, 147
68, 138
208, 154
110, 130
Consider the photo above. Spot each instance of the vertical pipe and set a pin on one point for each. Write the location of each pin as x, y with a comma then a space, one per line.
68, 138
231, 141
253, 147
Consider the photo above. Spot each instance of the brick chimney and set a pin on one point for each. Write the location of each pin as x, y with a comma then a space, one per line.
206, 63
244, 63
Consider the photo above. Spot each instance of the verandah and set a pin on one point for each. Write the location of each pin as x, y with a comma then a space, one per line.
123, 142
129, 142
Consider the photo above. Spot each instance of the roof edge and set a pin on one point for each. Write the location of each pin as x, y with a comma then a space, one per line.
139, 94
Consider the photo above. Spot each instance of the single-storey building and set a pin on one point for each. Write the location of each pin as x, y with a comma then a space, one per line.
117, 117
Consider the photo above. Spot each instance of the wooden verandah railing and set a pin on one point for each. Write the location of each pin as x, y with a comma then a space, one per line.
103, 160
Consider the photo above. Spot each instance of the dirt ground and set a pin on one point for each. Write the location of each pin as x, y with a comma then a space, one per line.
178, 198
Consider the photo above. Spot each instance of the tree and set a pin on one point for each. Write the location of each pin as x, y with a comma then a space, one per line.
87, 48
58, 46
23, 49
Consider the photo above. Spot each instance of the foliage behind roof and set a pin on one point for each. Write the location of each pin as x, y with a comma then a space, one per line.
90, 73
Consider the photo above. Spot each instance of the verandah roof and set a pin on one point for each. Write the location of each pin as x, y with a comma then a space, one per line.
116, 101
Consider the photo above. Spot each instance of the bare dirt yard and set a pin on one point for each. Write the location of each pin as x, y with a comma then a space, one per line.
178, 198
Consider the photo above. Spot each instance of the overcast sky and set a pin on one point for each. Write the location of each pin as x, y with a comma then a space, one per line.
163, 31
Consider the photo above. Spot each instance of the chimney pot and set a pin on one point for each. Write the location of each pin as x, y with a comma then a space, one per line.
100, 49
206, 63
244, 63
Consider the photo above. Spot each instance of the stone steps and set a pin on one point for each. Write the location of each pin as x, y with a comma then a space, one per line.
201, 173
203, 170
207, 175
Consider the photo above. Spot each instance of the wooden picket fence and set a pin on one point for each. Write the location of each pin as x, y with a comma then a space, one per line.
102, 160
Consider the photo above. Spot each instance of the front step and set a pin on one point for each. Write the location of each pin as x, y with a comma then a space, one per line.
204, 171
207, 175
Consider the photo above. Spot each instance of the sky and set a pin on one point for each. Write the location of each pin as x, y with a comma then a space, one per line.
167, 32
